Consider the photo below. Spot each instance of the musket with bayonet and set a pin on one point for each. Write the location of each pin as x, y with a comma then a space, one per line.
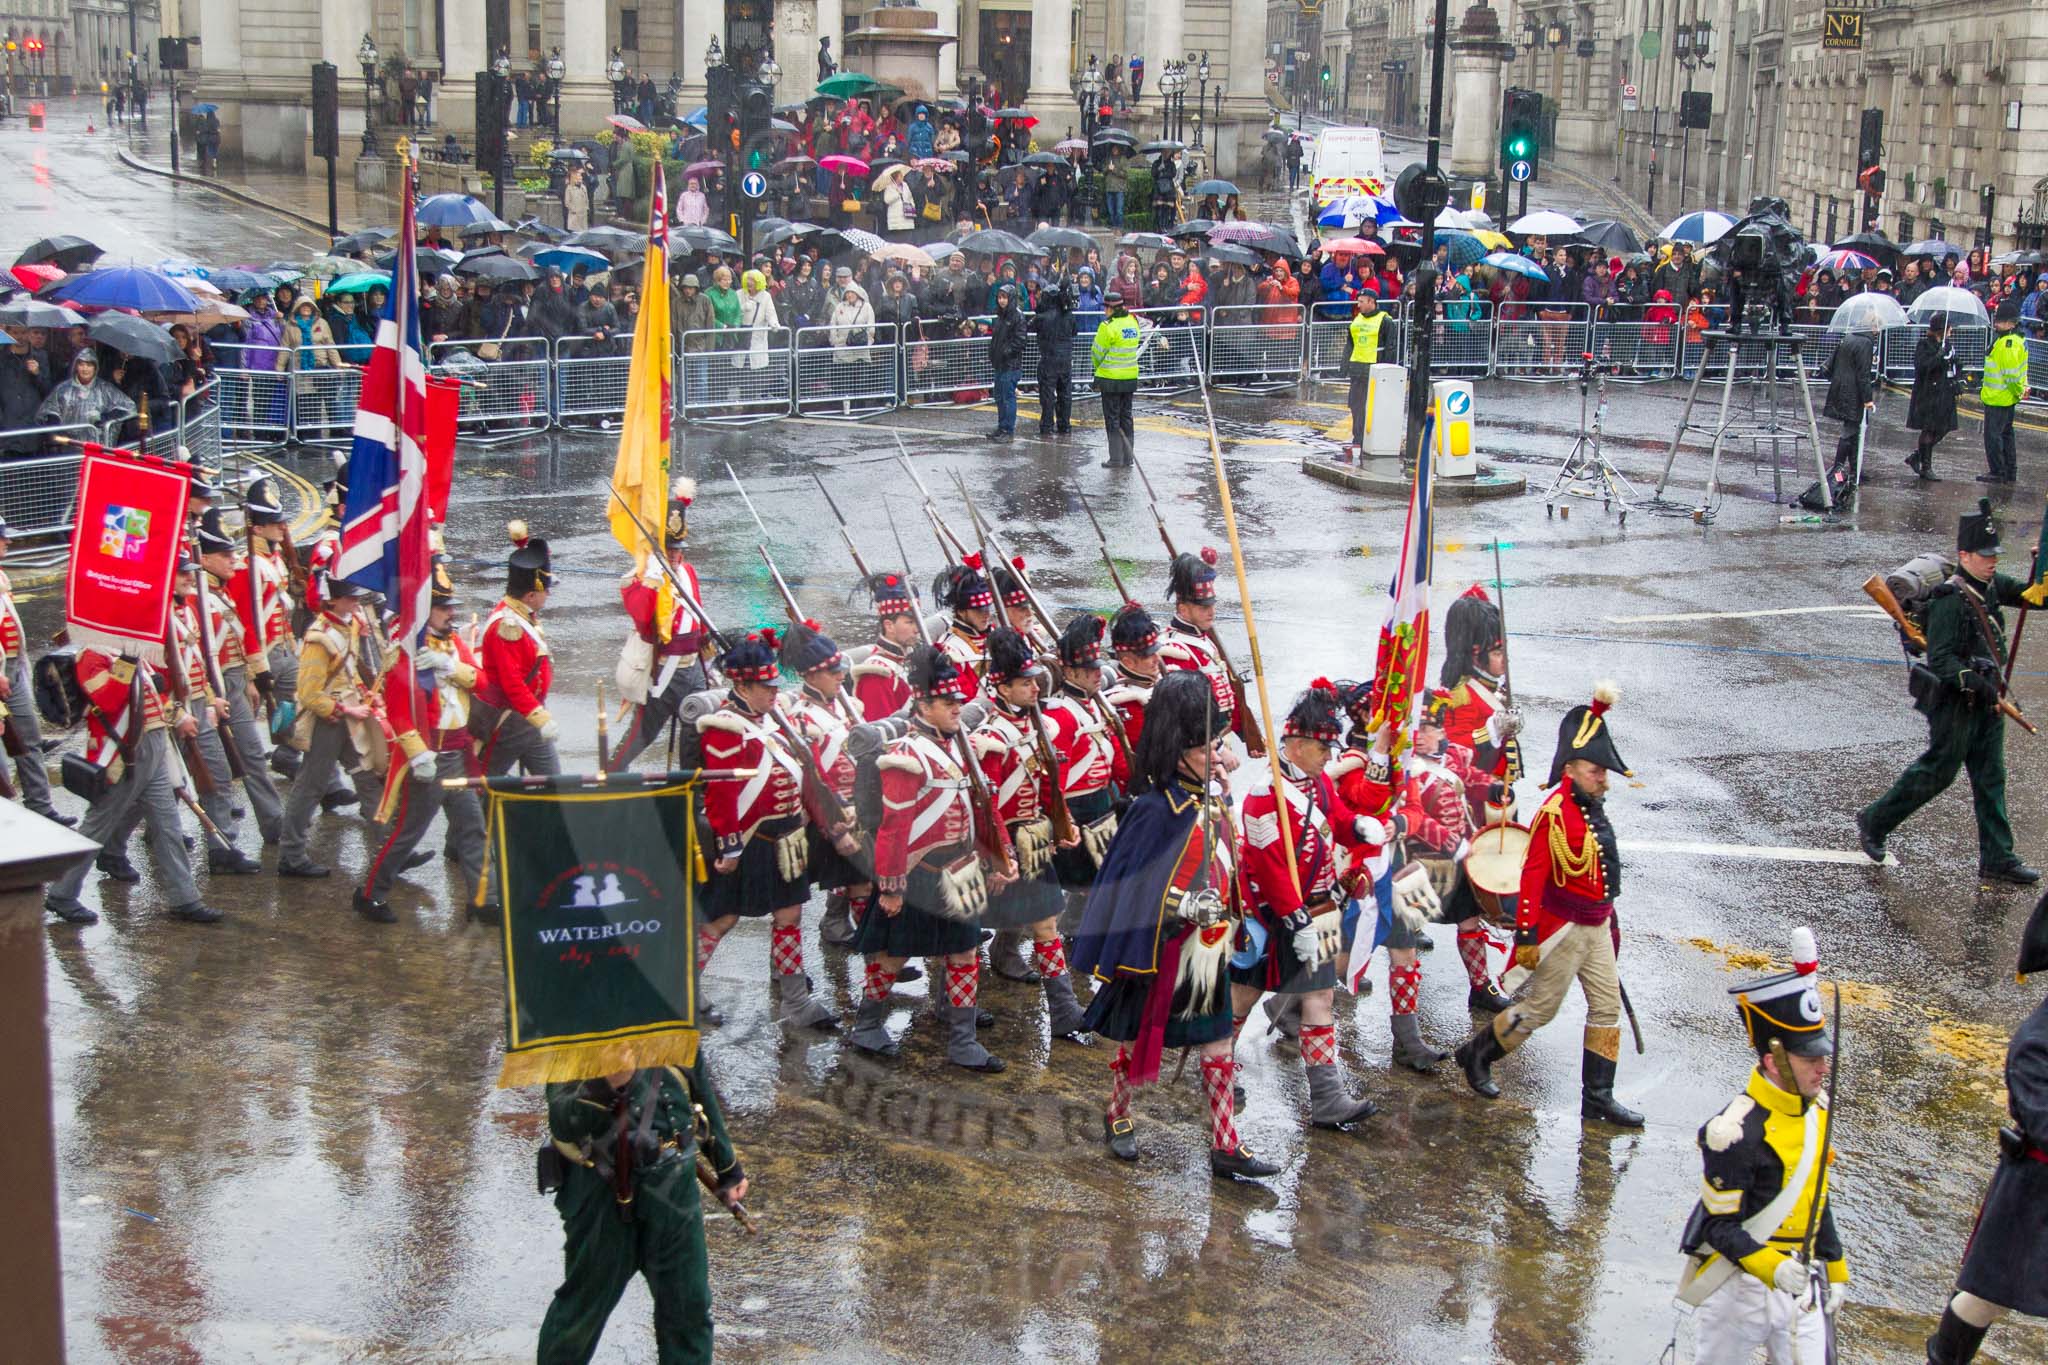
1116, 579
990, 834
237, 770
845, 531
1500, 592
1254, 737
951, 546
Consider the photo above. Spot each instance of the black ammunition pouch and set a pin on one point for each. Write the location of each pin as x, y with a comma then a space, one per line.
1925, 687
550, 1168
83, 779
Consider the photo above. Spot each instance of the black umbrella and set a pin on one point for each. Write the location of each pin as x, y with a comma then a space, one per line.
1193, 227
131, 335
956, 156
1115, 135
698, 237
1011, 112
784, 232
66, 253
29, 312
1215, 187
534, 227
1145, 241
1274, 135
1870, 244
364, 240
1044, 159
568, 154
1233, 254
1276, 242
1062, 237
606, 239
1609, 235
1163, 145
496, 266
768, 223
487, 229
996, 242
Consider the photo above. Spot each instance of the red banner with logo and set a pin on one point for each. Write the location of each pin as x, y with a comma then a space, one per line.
444, 405
124, 552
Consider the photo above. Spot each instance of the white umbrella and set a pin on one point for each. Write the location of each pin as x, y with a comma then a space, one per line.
1698, 227
1451, 218
1859, 311
1544, 223
1959, 306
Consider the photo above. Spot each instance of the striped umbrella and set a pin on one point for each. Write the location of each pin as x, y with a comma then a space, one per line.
1839, 261
1698, 227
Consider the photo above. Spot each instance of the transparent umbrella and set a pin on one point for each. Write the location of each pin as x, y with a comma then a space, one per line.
1860, 312
1959, 306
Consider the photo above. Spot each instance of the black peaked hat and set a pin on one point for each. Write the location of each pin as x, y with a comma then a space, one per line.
442, 591
806, 648
1080, 643
261, 504
753, 658
211, 538
2034, 941
1133, 631
1315, 714
1008, 655
932, 675
1192, 577
1181, 714
1978, 531
1785, 1007
892, 595
529, 568
1585, 733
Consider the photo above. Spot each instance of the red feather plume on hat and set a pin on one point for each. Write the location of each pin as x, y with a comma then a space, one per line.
972, 561
1209, 555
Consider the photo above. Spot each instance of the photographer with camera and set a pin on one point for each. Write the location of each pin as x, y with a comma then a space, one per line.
1053, 325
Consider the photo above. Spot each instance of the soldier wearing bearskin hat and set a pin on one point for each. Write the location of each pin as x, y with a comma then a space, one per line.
881, 688
1156, 932
930, 884
1564, 929
1008, 582
1134, 639
757, 826
664, 658
2005, 1266
823, 715
1188, 641
509, 713
1767, 1184
427, 697
965, 591
1293, 934
1475, 710
1013, 746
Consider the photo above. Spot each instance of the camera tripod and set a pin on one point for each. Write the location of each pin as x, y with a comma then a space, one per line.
1587, 472
1760, 423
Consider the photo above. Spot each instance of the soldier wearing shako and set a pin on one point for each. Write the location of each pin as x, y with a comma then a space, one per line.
1134, 639
1156, 932
427, 697
673, 641
209, 710
216, 549
824, 714
1186, 642
930, 887
1008, 581
757, 824
263, 603
880, 688
1290, 940
1958, 689
967, 592
1564, 930
622, 1163
1475, 713
509, 713
1012, 746
2005, 1266
341, 667
1766, 1183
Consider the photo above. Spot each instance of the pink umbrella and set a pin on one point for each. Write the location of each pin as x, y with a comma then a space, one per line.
843, 164
36, 274
1244, 232
1070, 144
696, 168
1353, 246
626, 123
932, 165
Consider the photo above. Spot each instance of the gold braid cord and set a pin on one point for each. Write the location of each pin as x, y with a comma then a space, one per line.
1565, 865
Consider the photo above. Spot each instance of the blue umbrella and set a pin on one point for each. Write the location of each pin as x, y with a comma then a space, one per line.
452, 210
206, 108
1519, 265
1465, 249
567, 258
1698, 227
239, 281
181, 265
127, 286
547, 232
696, 118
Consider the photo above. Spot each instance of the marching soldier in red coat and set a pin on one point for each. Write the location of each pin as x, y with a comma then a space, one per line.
263, 603
1013, 746
1188, 641
509, 713
1565, 929
1134, 638
965, 590
1475, 712
1017, 614
1291, 940
216, 550
427, 697
823, 715
930, 884
209, 710
671, 640
880, 686
762, 849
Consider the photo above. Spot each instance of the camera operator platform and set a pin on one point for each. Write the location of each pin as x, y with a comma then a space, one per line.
1587, 472
1759, 256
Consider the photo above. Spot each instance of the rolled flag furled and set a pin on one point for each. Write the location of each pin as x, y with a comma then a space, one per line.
640, 474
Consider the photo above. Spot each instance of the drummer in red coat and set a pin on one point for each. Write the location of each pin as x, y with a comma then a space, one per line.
1476, 713
1443, 786
1565, 929
673, 640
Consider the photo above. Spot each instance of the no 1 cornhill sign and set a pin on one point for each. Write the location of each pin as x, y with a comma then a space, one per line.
1841, 27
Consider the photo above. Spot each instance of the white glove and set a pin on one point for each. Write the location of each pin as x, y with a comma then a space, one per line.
422, 765
1789, 1277
1308, 946
434, 661
1464, 847
1512, 726
1836, 1292
551, 730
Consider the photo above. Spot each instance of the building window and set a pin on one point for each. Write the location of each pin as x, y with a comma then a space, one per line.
533, 47
629, 29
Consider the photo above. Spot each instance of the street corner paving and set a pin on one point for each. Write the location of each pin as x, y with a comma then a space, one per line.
971, 682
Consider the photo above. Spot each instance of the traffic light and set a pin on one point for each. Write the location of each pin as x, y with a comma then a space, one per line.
757, 137
491, 92
1870, 153
326, 110
1521, 121
721, 111
1326, 73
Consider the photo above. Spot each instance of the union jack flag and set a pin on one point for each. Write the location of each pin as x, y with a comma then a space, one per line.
384, 526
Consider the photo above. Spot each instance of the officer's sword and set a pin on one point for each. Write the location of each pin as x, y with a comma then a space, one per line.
1817, 1275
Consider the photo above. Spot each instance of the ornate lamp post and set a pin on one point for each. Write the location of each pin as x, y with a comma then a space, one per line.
555, 70
1201, 92
366, 57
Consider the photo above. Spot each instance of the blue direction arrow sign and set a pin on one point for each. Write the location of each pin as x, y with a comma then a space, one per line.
754, 185
1519, 171
1458, 401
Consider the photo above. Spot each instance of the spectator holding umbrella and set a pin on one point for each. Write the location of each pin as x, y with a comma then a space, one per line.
1937, 379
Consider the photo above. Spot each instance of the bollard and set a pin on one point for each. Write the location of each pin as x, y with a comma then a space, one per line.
1454, 453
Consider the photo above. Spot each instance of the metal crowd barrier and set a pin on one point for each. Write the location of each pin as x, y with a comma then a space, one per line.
1971, 342
39, 492
591, 378
951, 369
1171, 360
1460, 345
1256, 347
255, 396
506, 398
1640, 352
2037, 369
846, 371
737, 377
195, 428
324, 405
1531, 346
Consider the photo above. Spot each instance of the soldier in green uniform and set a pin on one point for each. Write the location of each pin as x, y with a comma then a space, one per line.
1958, 687
623, 1165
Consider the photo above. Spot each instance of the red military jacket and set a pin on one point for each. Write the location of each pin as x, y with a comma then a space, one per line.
109, 683
738, 740
1565, 879
968, 652
925, 806
1321, 827
437, 719
1439, 797
1089, 758
880, 686
1474, 703
225, 625
825, 726
263, 603
517, 668
1184, 647
13, 639
320, 566
642, 596
1128, 692
1367, 788
190, 650
1008, 755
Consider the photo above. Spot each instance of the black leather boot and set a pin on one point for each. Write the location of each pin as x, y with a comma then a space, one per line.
1477, 1057
1955, 1342
1596, 1094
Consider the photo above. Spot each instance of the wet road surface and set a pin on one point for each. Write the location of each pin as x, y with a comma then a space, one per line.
279, 1140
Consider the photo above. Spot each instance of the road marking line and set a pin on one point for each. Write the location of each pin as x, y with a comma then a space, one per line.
1847, 608
1767, 853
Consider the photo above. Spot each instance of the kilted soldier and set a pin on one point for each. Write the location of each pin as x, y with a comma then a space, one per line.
128, 729
930, 886
1093, 772
209, 711
2005, 1266
17, 702
1017, 614
673, 641
217, 561
1157, 929
1013, 746
824, 716
341, 668
263, 603
1475, 713
1564, 917
1186, 642
622, 1163
427, 697
509, 713
1294, 929
1767, 1169
1134, 638
758, 829
964, 590
879, 684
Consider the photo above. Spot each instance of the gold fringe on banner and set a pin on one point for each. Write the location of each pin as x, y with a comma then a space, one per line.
547, 1063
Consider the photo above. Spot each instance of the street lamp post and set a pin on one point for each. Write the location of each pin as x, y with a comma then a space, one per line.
1201, 92
615, 72
555, 71
366, 57
1693, 42
1987, 197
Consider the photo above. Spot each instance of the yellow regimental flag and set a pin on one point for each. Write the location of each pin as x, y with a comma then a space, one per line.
641, 473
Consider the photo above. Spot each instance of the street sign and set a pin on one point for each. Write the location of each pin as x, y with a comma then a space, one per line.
1518, 171
1630, 101
754, 185
1458, 402
1272, 78
1394, 67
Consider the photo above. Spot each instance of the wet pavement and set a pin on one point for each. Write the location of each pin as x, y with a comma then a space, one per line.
280, 1142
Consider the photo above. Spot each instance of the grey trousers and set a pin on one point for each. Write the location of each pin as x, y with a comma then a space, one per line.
145, 793
327, 753
509, 740
219, 804
245, 729
419, 802
284, 671
32, 775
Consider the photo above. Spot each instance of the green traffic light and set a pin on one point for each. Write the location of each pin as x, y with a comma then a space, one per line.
1520, 147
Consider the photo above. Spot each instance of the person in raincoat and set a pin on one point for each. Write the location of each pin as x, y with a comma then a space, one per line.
757, 318
693, 209
922, 135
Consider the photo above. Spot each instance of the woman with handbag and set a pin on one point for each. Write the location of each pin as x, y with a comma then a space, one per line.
1937, 378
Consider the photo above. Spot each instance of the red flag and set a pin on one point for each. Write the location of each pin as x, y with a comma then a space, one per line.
444, 404
124, 552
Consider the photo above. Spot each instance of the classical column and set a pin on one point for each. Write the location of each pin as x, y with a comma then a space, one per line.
586, 94
702, 20
466, 57
951, 57
1161, 43
1052, 57
1476, 55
